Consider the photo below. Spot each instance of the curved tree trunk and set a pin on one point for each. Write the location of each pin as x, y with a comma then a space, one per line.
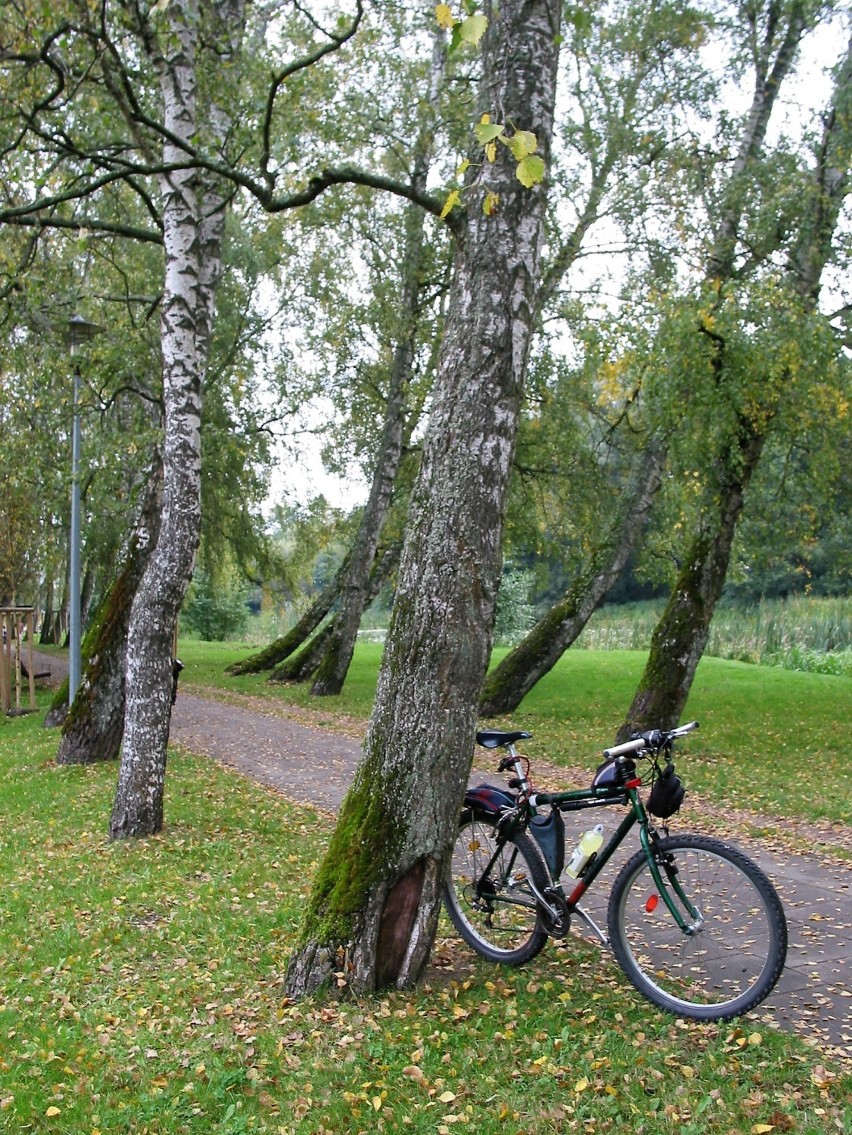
284, 646
681, 635
375, 902
302, 666
193, 226
507, 684
94, 725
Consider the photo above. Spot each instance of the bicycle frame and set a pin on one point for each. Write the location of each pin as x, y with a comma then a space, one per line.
527, 807
578, 799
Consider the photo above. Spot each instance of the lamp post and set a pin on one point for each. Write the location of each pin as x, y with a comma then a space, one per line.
80, 331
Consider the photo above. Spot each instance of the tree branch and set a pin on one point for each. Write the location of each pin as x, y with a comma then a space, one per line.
79, 225
335, 43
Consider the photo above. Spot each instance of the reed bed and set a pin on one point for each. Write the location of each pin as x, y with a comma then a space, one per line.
798, 633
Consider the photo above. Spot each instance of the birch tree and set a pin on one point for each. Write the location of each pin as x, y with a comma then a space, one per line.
194, 211
754, 365
374, 906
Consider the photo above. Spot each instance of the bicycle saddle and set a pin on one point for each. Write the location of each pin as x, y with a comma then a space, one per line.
494, 738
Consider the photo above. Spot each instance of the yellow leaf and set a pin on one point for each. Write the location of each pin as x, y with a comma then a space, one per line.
377, 1103
687, 1071
581, 1085
444, 16
463, 168
51, 1111
530, 171
491, 151
447, 1097
522, 144
762, 1128
453, 199
755, 1038
489, 205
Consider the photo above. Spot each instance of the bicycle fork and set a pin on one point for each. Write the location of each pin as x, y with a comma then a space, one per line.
656, 860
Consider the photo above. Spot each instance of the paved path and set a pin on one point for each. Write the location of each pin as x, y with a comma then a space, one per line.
313, 766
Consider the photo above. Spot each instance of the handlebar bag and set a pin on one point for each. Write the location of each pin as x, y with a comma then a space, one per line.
667, 794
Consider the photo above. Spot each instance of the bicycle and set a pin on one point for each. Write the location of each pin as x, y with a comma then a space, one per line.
695, 925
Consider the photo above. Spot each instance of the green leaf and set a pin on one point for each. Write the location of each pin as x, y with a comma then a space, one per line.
522, 144
473, 29
444, 16
486, 132
530, 171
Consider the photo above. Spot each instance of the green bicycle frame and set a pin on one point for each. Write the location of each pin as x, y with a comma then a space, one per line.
600, 797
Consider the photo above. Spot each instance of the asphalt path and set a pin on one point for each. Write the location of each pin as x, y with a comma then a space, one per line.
311, 765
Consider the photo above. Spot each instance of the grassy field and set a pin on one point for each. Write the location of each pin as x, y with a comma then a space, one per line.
140, 991
770, 739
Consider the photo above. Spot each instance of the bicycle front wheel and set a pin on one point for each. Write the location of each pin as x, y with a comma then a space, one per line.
733, 951
489, 897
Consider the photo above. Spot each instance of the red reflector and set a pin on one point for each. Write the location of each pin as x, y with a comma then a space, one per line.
651, 904
636, 782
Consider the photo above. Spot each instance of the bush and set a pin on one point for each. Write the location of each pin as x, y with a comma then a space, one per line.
215, 614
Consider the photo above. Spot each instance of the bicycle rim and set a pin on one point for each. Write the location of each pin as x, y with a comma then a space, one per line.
496, 913
736, 952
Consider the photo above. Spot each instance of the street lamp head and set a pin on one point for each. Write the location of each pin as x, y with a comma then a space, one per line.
80, 331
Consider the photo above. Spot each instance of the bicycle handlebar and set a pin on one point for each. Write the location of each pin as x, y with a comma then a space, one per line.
652, 739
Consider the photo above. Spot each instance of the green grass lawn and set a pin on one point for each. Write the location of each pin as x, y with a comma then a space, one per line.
140, 993
772, 740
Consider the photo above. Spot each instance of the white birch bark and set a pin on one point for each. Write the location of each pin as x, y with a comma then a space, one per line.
193, 226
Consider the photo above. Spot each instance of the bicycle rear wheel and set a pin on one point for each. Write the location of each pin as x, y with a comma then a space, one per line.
489, 897
735, 954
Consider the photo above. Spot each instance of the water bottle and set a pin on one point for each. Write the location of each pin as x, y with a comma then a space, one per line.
590, 842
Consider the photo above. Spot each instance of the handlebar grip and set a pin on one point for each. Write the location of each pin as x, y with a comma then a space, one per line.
627, 747
681, 729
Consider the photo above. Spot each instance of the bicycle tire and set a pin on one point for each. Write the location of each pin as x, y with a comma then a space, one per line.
736, 956
501, 922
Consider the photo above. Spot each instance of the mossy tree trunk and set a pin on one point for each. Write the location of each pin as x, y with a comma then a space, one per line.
681, 634
536, 655
94, 724
277, 651
326, 642
375, 902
